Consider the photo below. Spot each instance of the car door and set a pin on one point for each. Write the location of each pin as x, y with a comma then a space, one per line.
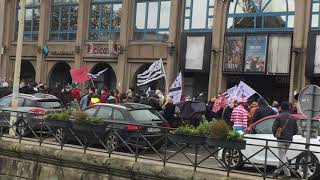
256, 141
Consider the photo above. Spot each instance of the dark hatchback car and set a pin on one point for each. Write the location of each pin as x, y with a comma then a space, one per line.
30, 108
135, 125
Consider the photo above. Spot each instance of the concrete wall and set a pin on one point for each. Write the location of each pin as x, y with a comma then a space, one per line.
19, 161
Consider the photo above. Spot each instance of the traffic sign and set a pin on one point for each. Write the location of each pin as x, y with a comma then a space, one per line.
309, 101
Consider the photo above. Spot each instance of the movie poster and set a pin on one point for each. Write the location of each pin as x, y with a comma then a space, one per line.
233, 54
256, 50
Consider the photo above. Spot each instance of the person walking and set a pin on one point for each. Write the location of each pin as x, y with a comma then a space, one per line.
239, 116
264, 110
284, 128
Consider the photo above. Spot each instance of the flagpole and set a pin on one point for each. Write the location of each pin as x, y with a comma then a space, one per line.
92, 83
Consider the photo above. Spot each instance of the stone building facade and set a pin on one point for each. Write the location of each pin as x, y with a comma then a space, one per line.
215, 43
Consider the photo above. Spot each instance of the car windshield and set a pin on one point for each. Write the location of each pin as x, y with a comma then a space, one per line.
49, 104
144, 115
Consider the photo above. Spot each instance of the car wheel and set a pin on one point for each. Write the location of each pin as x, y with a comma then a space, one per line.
236, 160
313, 165
22, 128
61, 135
112, 142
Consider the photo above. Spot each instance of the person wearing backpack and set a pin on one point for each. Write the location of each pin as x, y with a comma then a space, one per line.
284, 128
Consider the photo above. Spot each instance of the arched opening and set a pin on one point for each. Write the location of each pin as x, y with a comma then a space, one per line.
28, 72
60, 75
108, 78
157, 84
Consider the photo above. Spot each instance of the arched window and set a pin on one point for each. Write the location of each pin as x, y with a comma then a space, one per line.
261, 15
31, 20
315, 25
105, 20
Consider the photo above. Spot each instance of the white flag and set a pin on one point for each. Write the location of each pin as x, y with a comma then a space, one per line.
244, 91
230, 93
95, 76
155, 71
148, 91
175, 90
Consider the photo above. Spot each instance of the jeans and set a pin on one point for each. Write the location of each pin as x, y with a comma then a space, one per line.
282, 149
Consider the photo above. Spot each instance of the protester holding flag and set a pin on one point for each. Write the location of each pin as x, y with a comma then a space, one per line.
169, 111
104, 94
75, 92
239, 116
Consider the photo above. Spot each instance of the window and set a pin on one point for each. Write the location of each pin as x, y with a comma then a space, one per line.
91, 111
279, 54
152, 20
104, 112
315, 15
105, 17
264, 127
262, 15
5, 102
31, 20
117, 115
64, 16
144, 115
198, 15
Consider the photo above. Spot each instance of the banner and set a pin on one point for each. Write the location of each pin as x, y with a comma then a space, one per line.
80, 75
256, 52
230, 93
233, 53
220, 103
243, 91
175, 90
195, 52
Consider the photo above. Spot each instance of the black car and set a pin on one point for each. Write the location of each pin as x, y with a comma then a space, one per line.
128, 124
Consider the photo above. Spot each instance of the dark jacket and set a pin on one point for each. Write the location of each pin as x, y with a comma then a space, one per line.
263, 111
289, 130
168, 112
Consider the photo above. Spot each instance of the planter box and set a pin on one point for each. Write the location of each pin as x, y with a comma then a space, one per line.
87, 128
58, 124
227, 143
188, 139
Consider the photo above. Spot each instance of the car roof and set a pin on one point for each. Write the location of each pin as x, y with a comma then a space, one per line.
128, 106
36, 97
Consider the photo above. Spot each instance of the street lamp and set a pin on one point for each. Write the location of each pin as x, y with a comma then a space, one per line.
17, 67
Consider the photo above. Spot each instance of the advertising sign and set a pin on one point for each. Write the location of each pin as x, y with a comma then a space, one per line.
233, 54
256, 51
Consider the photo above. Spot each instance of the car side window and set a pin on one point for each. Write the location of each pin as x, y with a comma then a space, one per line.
264, 127
117, 115
91, 111
5, 102
20, 102
30, 103
104, 112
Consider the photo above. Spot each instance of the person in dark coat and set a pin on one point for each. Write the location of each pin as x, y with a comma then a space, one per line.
169, 111
289, 129
155, 102
226, 114
264, 110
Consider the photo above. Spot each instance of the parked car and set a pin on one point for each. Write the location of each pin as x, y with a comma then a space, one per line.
29, 108
256, 136
129, 121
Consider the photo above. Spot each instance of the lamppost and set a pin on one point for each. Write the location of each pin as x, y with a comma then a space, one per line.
17, 67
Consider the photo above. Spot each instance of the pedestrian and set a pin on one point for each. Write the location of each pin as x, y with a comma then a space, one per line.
264, 110
226, 113
4, 90
209, 113
116, 96
169, 111
275, 106
154, 102
284, 128
253, 107
239, 116
75, 92
104, 95
85, 99
161, 97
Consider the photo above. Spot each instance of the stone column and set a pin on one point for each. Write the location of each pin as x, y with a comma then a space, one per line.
44, 25
83, 15
300, 43
126, 21
2, 18
174, 31
216, 82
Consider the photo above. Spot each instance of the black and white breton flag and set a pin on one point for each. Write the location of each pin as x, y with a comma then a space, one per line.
155, 72
175, 91
95, 76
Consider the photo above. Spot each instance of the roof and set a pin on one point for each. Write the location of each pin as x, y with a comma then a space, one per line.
37, 96
128, 106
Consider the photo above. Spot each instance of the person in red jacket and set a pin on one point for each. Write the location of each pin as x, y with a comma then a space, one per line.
75, 92
104, 95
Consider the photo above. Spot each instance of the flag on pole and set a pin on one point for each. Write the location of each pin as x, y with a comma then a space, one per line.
95, 76
80, 75
175, 90
220, 103
155, 72
243, 91
148, 91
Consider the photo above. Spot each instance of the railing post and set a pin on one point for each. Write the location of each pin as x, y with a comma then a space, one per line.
265, 160
165, 147
41, 129
196, 157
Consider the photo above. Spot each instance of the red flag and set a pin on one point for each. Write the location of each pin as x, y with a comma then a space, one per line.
220, 103
80, 75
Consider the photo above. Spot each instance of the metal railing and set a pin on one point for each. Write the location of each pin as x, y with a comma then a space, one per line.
160, 145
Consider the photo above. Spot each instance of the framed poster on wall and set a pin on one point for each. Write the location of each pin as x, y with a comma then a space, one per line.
233, 54
316, 67
256, 53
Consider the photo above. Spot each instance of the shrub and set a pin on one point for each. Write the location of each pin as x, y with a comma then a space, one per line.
83, 117
201, 130
58, 116
218, 129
